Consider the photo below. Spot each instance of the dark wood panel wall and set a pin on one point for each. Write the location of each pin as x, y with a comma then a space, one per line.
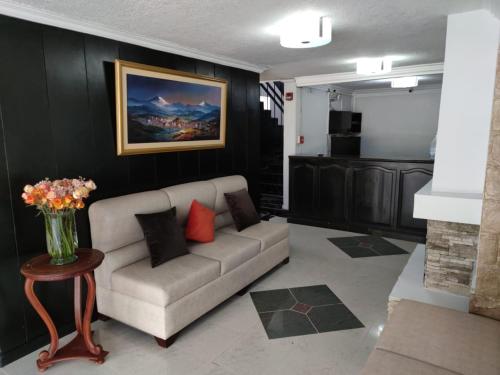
57, 119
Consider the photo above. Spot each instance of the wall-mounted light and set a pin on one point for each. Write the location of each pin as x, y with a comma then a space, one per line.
404, 82
305, 30
372, 66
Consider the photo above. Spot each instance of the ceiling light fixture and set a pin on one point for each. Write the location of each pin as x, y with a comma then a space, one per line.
372, 66
305, 30
404, 82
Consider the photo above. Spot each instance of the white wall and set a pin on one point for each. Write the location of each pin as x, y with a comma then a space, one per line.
314, 121
398, 123
466, 102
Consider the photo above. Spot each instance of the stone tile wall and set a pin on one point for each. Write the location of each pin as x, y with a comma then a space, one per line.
486, 297
451, 251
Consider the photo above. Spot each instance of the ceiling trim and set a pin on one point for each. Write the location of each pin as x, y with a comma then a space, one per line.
53, 19
387, 91
322, 79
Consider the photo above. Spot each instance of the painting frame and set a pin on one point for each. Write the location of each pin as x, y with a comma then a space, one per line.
124, 147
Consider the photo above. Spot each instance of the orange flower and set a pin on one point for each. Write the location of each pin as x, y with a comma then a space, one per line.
57, 203
79, 204
67, 200
28, 198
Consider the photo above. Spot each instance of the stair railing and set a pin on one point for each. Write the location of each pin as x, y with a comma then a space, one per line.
274, 91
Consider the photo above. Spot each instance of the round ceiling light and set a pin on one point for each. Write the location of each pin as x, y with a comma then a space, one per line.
306, 30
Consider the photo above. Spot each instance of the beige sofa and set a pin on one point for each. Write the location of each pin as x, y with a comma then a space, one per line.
423, 339
163, 300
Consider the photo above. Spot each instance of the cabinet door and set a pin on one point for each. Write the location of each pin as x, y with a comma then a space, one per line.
332, 192
411, 181
373, 189
303, 189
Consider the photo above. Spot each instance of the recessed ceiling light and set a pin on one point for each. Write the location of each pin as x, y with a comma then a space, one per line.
305, 30
404, 82
372, 66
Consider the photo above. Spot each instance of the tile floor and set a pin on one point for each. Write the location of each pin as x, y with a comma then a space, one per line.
231, 340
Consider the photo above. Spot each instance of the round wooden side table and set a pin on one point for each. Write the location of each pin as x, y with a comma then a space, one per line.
82, 346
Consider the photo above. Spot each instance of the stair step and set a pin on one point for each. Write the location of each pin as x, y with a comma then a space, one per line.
270, 195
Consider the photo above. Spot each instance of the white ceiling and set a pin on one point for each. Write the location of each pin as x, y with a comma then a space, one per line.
412, 30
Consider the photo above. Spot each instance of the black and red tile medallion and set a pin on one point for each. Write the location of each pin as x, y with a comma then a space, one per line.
302, 311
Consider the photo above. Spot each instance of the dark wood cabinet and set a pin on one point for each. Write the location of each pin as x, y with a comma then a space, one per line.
373, 189
411, 180
331, 192
359, 195
304, 194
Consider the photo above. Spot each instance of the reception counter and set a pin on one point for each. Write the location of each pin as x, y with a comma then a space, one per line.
359, 194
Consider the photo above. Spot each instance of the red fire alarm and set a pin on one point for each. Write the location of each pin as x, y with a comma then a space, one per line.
289, 96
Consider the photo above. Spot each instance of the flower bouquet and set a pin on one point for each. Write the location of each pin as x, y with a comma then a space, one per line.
57, 200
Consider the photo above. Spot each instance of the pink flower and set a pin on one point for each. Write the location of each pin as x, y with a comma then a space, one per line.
90, 185
28, 189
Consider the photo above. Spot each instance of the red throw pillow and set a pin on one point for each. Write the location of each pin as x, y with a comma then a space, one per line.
200, 225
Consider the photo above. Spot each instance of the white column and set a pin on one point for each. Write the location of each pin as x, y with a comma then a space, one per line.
291, 122
472, 41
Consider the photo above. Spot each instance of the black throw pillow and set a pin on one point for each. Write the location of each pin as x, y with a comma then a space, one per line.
242, 209
164, 236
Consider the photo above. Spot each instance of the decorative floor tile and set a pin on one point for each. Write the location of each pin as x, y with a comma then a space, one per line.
333, 318
366, 246
273, 300
286, 323
302, 311
316, 295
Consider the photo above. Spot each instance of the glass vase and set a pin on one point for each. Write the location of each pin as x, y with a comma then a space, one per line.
62, 240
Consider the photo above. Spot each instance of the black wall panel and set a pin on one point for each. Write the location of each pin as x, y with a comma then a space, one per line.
57, 119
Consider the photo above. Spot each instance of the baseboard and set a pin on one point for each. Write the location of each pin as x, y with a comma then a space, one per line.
37, 343
384, 232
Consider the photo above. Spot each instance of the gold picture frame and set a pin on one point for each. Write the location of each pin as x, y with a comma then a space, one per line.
164, 110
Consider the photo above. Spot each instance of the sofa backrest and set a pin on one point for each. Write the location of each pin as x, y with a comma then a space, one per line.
181, 197
116, 232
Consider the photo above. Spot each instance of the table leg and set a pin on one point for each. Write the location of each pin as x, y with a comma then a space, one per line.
45, 356
86, 329
78, 304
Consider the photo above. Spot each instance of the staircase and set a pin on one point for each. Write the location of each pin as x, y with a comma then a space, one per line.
271, 169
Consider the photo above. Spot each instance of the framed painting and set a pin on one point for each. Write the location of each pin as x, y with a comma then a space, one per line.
163, 110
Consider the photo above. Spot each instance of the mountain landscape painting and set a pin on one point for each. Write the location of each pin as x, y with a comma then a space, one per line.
165, 111
161, 110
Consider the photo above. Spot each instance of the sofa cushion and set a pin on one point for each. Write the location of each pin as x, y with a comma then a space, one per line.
267, 233
231, 251
382, 362
167, 283
454, 340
